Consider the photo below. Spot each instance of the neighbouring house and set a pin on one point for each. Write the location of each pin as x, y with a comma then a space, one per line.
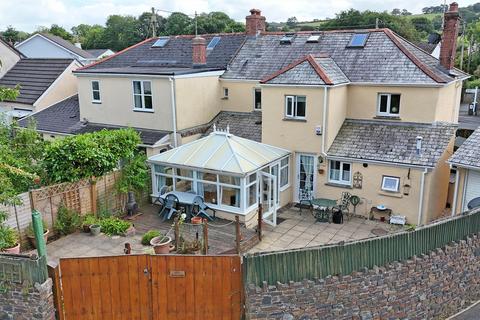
42, 82
45, 45
8, 56
100, 53
432, 46
363, 111
466, 160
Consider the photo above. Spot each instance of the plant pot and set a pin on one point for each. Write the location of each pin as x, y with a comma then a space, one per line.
33, 241
86, 228
196, 220
13, 250
95, 229
161, 244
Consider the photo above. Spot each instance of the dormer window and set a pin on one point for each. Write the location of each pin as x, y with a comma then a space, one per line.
314, 38
388, 105
213, 43
161, 42
287, 38
358, 40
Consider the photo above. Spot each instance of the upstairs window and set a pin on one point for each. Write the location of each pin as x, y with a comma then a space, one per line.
388, 105
96, 91
257, 99
358, 40
142, 95
225, 93
295, 107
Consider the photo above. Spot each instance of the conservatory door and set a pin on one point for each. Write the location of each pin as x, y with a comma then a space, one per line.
268, 194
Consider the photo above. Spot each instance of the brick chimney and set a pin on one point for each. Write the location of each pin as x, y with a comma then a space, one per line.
254, 23
448, 46
199, 51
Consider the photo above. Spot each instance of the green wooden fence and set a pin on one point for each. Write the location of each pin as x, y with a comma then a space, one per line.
319, 262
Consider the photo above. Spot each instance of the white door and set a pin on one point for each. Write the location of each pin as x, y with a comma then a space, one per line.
268, 194
305, 184
472, 188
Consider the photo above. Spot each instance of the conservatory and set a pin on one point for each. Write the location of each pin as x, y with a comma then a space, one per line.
232, 174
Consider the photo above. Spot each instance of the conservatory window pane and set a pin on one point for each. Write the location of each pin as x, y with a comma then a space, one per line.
183, 185
230, 196
164, 181
252, 178
208, 191
163, 169
207, 176
184, 173
229, 180
252, 195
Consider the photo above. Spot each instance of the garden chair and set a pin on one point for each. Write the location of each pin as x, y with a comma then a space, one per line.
159, 200
344, 203
201, 208
169, 207
305, 198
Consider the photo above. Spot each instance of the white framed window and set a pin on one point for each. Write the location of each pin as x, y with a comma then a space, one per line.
96, 91
257, 99
295, 107
225, 93
142, 95
391, 184
388, 104
284, 173
340, 172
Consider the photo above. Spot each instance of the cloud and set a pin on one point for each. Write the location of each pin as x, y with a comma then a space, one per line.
28, 15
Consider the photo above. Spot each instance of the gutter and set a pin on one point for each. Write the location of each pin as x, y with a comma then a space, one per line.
324, 125
174, 110
391, 164
422, 191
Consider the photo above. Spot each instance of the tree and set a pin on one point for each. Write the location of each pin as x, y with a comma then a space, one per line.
423, 25
90, 36
292, 22
13, 36
178, 23
121, 32
57, 30
396, 12
405, 12
145, 25
216, 22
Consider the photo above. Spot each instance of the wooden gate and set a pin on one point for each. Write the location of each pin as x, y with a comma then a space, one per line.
150, 287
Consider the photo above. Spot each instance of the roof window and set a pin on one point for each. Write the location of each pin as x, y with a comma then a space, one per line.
358, 40
314, 38
161, 42
287, 38
213, 43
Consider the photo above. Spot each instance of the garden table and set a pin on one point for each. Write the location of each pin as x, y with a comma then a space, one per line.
322, 208
184, 198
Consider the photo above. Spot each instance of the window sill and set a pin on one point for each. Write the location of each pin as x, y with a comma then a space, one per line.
295, 119
338, 185
387, 118
390, 194
96, 102
224, 98
143, 110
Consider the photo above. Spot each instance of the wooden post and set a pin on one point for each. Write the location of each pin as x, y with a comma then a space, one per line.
205, 237
93, 195
128, 248
259, 227
237, 234
54, 273
176, 232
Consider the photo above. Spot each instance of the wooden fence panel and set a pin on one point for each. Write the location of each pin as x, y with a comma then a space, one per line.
319, 262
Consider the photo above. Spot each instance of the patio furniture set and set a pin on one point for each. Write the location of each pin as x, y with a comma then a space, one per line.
328, 210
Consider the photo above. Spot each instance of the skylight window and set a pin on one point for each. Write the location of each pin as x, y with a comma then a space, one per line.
213, 43
287, 38
313, 38
161, 42
358, 40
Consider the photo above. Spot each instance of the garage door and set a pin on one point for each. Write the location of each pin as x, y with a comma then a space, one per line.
473, 187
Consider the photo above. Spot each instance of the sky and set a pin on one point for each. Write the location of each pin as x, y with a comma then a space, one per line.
28, 15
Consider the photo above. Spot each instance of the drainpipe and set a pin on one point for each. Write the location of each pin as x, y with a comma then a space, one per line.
420, 204
324, 125
455, 192
174, 110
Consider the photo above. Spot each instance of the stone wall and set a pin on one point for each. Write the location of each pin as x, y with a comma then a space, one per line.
26, 302
431, 286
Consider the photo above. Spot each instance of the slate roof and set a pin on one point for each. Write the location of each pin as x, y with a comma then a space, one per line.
34, 77
469, 152
177, 53
68, 45
96, 52
246, 125
386, 57
425, 46
310, 70
392, 142
64, 118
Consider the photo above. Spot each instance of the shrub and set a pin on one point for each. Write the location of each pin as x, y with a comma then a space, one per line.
472, 84
114, 226
8, 237
67, 222
134, 175
149, 236
30, 232
89, 219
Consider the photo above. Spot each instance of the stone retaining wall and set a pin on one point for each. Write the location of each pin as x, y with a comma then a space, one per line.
26, 302
431, 286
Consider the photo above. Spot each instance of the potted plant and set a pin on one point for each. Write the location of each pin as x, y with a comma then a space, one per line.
161, 244
149, 235
8, 236
95, 229
88, 220
31, 234
196, 220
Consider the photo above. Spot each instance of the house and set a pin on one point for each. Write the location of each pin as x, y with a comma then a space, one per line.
45, 45
8, 56
100, 53
363, 111
466, 160
42, 82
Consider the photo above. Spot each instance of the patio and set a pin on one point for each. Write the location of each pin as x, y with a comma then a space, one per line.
297, 229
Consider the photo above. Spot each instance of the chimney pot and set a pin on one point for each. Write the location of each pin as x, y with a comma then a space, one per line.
419, 144
199, 51
254, 23
448, 45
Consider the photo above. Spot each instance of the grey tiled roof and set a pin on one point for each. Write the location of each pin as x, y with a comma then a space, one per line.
34, 77
176, 53
68, 45
381, 60
246, 125
96, 52
469, 152
392, 142
147, 70
64, 117
425, 46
